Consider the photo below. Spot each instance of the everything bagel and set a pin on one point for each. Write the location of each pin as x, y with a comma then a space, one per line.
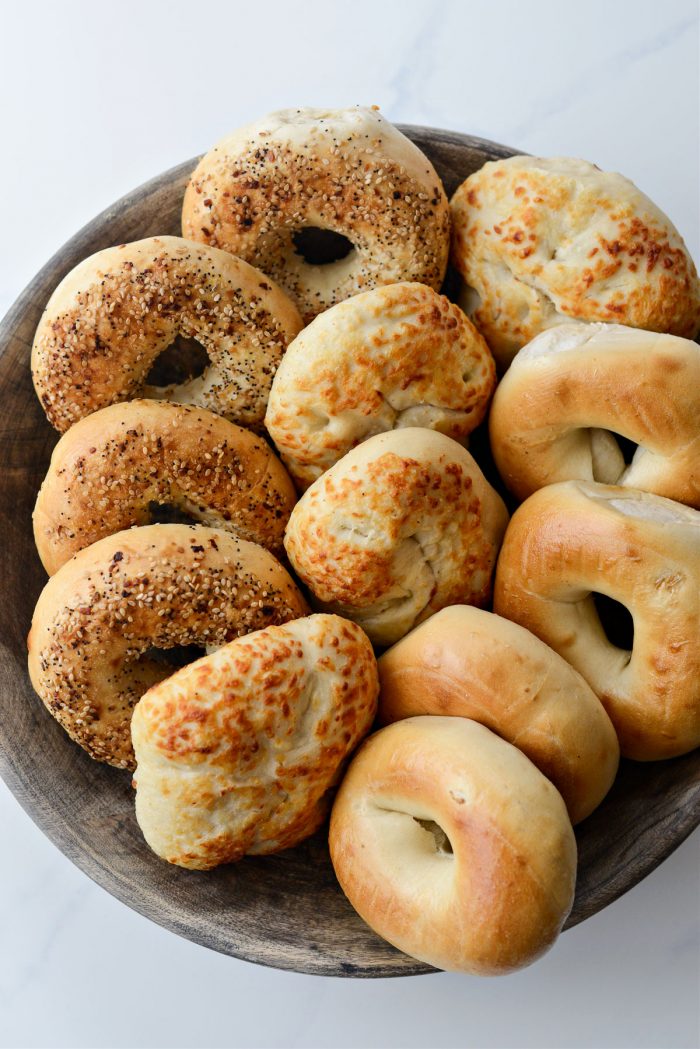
566, 390
570, 540
158, 586
349, 171
108, 469
114, 314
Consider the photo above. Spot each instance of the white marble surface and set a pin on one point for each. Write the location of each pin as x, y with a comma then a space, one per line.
97, 97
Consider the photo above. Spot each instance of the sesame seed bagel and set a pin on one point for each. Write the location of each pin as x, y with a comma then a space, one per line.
543, 240
347, 170
158, 586
400, 527
396, 356
572, 540
453, 846
108, 470
567, 389
464, 662
111, 317
237, 753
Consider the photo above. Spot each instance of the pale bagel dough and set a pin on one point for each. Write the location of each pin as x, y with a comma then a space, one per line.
570, 391
469, 663
570, 540
453, 846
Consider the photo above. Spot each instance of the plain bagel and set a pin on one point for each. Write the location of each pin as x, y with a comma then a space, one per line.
159, 586
544, 240
469, 663
571, 540
453, 846
349, 171
108, 469
401, 526
397, 356
237, 753
566, 390
115, 313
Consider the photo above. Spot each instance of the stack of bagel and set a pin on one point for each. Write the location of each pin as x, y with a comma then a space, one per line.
346, 567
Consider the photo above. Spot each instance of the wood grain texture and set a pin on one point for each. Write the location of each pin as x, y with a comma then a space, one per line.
285, 911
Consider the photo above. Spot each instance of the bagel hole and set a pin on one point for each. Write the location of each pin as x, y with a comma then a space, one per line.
319, 247
627, 447
452, 285
176, 657
611, 455
442, 842
166, 513
461, 293
616, 621
182, 360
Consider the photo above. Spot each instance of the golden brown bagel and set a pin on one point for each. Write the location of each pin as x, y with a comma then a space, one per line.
543, 240
453, 846
400, 527
158, 586
109, 467
566, 390
346, 170
237, 753
570, 540
111, 317
397, 356
468, 663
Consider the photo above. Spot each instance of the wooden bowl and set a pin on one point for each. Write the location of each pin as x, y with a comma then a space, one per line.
286, 910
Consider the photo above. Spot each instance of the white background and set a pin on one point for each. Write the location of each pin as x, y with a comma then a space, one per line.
98, 97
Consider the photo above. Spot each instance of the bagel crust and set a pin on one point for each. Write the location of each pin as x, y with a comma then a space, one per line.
108, 469
400, 527
453, 846
570, 540
465, 662
570, 386
114, 314
543, 240
237, 753
349, 171
397, 356
159, 586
